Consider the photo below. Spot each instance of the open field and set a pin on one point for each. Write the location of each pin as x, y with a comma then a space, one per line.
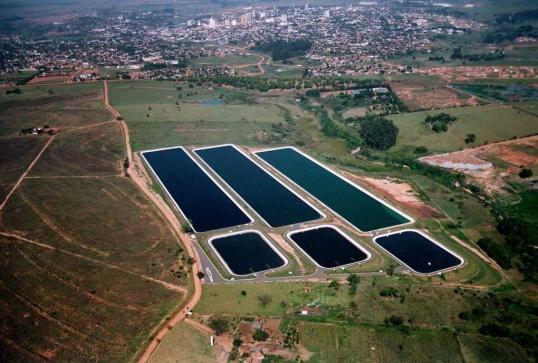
157, 117
364, 343
56, 106
420, 301
490, 123
14, 77
184, 344
424, 97
94, 150
89, 266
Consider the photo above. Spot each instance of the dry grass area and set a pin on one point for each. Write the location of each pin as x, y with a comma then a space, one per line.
88, 265
490, 165
90, 150
421, 96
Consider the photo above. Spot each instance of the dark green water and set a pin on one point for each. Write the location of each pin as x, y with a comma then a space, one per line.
247, 253
275, 203
357, 207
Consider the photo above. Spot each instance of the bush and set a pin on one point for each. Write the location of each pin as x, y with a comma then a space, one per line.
494, 330
439, 122
265, 300
219, 325
496, 251
260, 335
394, 320
470, 138
421, 150
378, 132
525, 173
389, 292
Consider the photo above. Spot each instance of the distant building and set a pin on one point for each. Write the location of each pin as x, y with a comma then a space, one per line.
244, 20
212, 23
327, 13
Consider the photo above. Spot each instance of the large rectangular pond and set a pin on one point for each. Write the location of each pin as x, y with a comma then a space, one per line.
328, 246
419, 252
201, 201
247, 252
346, 199
269, 198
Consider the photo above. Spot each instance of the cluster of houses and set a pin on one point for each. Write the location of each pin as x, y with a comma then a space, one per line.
345, 39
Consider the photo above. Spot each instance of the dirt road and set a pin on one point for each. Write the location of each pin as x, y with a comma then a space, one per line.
18, 183
137, 176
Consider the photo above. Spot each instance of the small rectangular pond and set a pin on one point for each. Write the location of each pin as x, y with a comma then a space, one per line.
418, 251
195, 194
276, 204
247, 252
328, 247
354, 204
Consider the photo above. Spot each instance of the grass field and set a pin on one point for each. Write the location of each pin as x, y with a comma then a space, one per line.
229, 60
17, 76
184, 344
420, 301
89, 267
490, 123
330, 343
157, 117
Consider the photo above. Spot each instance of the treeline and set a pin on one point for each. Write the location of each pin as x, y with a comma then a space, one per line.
509, 34
281, 49
519, 250
262, 84
520, 16
150, 66
458, 54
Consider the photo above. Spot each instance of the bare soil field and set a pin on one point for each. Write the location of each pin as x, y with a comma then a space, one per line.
491, 164
426, 97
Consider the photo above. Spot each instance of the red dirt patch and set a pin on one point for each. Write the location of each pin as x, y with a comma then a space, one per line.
398, 192
422, 97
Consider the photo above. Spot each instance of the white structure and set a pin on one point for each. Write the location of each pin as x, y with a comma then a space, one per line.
212, 23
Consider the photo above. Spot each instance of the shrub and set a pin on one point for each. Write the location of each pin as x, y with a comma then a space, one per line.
260, 335
265, 300
219, 325
525, 173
